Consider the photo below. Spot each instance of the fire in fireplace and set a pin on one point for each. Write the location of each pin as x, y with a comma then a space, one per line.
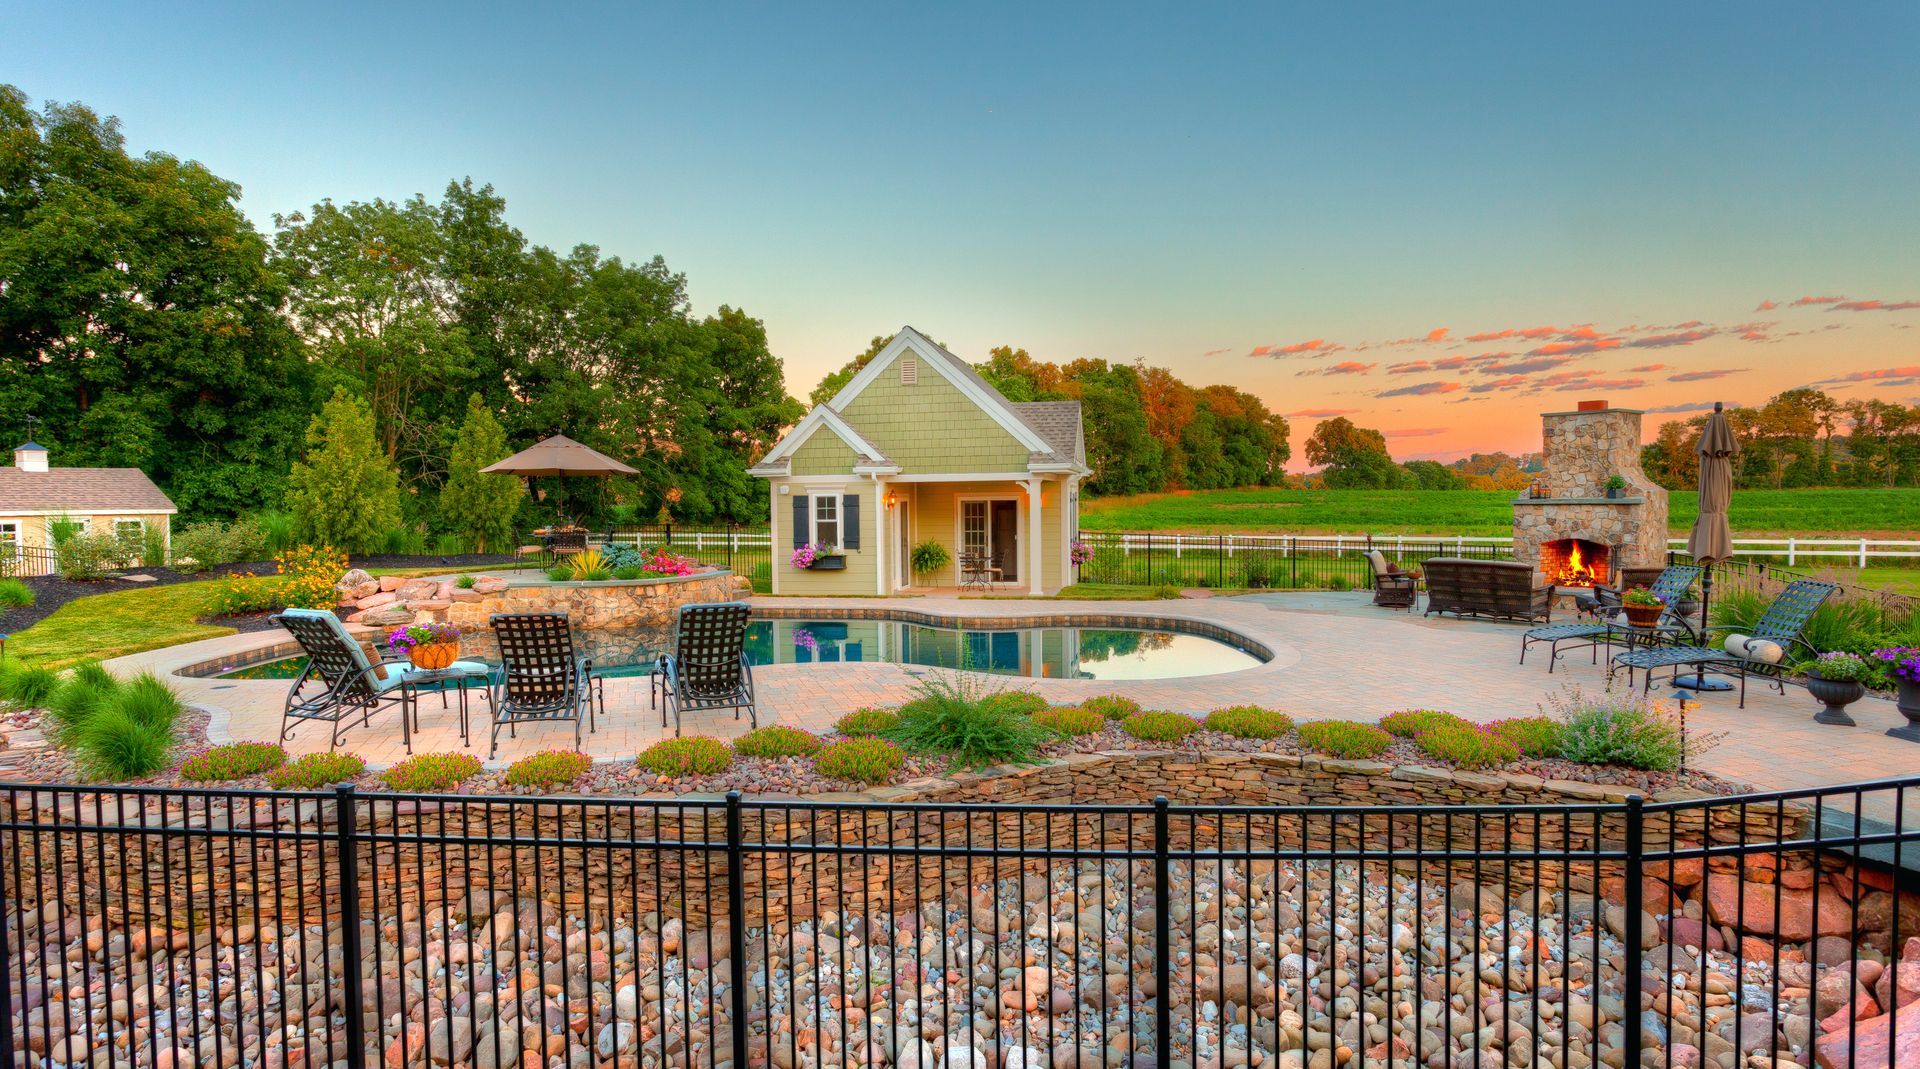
1574, 562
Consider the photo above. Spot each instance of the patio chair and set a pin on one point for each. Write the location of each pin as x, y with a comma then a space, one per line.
1392, 587
977, 570
1672, 581
564, 544
708, 667
1763, 653
351, 684
541, 679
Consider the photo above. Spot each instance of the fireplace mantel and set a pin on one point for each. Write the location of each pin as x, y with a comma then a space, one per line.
1580, 501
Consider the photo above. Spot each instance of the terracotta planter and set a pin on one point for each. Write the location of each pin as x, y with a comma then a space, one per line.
434, 656
1836, 695
1643, 615
1907, 700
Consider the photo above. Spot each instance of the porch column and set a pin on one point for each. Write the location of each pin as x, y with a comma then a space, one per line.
881, 580
1035, 535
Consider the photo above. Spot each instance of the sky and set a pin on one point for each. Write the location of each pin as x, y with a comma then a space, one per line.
1439, 220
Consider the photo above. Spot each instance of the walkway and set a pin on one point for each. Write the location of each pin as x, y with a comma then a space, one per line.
1336, 656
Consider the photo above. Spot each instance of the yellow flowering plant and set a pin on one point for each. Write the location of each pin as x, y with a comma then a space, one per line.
309, 574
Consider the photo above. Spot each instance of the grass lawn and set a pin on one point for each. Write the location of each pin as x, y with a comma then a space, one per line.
1890, 513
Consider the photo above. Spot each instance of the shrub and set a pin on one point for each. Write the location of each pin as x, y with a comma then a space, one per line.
1259, 573
1249, 722
629, 572
87, 557
199, 546
1158, 726
92, 672
236, 760
976, 726
1112, 706
274, 530
308, 575
864, 722
695, 755
775, 742
867, 761
1071, 720
314, 771
431, 772
588, 566
15, 594
621, 556
74, 704
153, 546
560, 573
1618, 731
1467, 746
548, 769
1408, 723
149, 699
242, 595
928, 557
1534, 736
1343, 738
466, 582
1022, 701
448, 545
116, 743
27, 688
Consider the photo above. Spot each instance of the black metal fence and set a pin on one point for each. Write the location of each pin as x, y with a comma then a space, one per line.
1281, 562
231, 928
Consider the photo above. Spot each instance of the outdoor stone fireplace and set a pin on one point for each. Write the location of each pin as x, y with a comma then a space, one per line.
1566, 525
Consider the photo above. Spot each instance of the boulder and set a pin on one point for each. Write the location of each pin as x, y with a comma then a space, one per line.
374, 601
418, 590
393, 615
465, 595
1906, 974
354, 578
488, 584
1870, 1044
392, 582
1751, 907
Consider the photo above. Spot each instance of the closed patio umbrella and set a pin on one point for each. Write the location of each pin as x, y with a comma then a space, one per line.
1711, 540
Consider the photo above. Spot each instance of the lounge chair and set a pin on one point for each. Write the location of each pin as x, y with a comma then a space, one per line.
1392, 587
1672, 582
1496, 588
708, 667
1761, 653
350, 683
541, 679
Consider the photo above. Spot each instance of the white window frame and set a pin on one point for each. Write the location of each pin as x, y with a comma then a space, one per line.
137, 521
1020, 554
832, 516
10, 534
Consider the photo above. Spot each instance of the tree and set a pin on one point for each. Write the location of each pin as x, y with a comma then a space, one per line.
477, 506
1351, 457
138, 318
1433, 475
343, 491
836, 380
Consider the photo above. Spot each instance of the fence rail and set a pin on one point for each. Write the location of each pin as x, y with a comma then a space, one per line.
740, 548
1280, 562
237, 928
1858, 552
26, 562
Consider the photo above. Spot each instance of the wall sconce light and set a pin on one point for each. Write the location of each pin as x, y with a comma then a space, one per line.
892, 499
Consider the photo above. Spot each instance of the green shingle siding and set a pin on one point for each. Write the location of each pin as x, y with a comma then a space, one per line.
823, 454
930, 427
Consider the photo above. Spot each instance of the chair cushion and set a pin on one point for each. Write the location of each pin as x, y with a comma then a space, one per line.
1748, 648
1379, 561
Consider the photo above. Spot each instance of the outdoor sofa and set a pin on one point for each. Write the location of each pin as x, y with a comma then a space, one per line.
1500, 589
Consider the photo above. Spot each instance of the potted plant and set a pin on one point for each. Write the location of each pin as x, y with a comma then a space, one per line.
929, 557
1838, 680
1642, 606
817, 557
1687, 604
1616, 486
429, 646
1905, 662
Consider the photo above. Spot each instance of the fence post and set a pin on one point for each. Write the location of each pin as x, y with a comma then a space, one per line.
731, 528
1293, 554
6, 970
1792, 545
1632, 936
1863, 553
1162, 938
345, 819
1220, 560
737, 920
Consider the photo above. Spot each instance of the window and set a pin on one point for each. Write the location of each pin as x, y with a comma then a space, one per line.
9, 538
131, 531
826, 519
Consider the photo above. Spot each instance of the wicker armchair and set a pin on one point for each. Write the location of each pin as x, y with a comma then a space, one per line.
1392, 587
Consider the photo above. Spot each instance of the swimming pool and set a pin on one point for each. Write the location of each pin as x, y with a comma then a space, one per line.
1050, 652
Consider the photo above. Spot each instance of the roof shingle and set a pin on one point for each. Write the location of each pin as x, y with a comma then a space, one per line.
80, 490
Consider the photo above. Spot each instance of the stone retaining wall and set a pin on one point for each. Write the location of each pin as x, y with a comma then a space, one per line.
842, 851
622, 605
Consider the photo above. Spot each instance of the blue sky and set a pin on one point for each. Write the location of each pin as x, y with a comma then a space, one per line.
1187, 185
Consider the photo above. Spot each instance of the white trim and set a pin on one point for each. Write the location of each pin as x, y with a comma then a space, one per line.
966, 477
1069, 515
879, 538
822, 416
1058, 469
774, 560
838, 520
985, 398
1035, 524
10, 512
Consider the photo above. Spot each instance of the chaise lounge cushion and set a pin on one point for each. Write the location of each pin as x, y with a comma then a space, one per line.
1761, 650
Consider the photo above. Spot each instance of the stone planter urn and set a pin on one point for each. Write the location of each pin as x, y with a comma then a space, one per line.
434, 656
1907, 700
1836, 695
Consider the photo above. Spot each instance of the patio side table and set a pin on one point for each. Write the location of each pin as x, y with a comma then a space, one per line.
457, 677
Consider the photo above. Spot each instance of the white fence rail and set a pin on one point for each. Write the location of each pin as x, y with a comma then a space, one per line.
1858, 552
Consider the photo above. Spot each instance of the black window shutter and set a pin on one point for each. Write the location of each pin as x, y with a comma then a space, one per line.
800, 519
850, 521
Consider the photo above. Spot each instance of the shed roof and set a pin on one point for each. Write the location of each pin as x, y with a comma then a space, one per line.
1059, 423
80, 490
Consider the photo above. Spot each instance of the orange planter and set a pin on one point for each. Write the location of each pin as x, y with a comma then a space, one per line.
434, 656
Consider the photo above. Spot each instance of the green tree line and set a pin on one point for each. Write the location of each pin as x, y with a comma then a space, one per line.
1800, 438
145, 322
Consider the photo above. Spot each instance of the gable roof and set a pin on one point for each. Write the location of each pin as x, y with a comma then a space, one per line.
955, 370
870, 456
1059, 423
80, 490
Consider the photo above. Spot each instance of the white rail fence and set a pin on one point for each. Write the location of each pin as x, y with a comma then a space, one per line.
1857, 552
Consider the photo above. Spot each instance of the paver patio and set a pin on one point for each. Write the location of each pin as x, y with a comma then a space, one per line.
1336, 656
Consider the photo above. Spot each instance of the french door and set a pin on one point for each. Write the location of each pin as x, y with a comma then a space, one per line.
990, 529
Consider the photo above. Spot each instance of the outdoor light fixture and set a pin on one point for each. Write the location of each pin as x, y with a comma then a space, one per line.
1683, 696
892, 499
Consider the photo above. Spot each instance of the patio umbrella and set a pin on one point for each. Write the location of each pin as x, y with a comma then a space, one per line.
1711, 540
558, 455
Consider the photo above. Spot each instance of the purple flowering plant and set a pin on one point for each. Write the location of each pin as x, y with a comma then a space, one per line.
404, 639
804, 556
1905, 662
1080, 553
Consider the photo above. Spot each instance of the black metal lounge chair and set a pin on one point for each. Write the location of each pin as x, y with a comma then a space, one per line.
708, 667
350, 684
541, 679
1774, 635
1669, 585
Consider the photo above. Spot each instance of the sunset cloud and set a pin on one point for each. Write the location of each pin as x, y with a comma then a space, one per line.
1689, 406
1422, 389
1319, 413
1703, 376
1344, 367
1513, 332
1763, 306
1602, 384
1884, 375
1649, 368
1663, 341
1313, 347
1577, 348
1875, 306
1417, 432
1527, 367
1216, 352
1806, 301
1511, 382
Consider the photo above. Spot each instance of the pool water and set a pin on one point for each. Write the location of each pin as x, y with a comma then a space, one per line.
1043, 652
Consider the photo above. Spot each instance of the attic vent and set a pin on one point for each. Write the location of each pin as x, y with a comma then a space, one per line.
909, 371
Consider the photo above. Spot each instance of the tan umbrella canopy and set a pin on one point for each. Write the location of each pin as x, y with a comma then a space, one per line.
1711, 540
559, 455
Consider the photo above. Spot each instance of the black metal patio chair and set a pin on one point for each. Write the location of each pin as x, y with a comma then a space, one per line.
349, 683
1673, 581
541, 679
1763, 653
708, 667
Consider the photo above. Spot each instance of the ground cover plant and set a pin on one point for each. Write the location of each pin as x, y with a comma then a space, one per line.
314, 771
548, 769
970, 720
694, 755
775, 741
235, 760
1112, 706
1408, 723
869, 761
865, 722
1249, 722
15, 594
1534, 736
1609, 729
1343, 738
1071, 720
1467, 745
1158, 726
431, 772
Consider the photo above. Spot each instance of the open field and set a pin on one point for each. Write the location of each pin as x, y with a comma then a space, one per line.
1859, 513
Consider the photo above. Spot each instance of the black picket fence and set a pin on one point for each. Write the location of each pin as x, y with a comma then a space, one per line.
237, 928
1240, 561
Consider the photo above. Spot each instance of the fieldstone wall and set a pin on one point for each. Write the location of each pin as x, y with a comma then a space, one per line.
1582, 450
623, 605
